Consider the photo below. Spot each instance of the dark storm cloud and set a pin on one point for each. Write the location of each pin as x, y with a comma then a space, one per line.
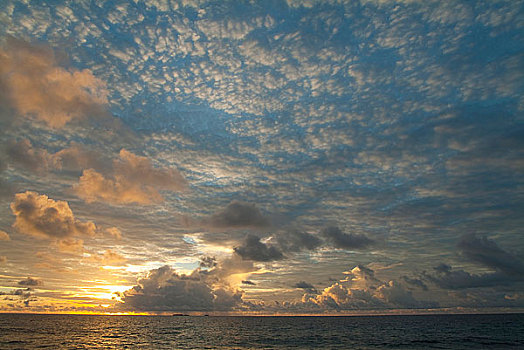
163, 289
248, 282
296, 240
508, 268
415, 282
237, 215
460, 279
343, 240
306, 286
442, 268
253, 249
486, 252
30, 281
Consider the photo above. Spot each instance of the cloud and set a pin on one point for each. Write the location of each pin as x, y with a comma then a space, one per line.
36, 86
343, 240
135, 180
23, 154
238, 215
394, 294
249, 283
253, 249
70, 245
40, 216
362, 290
4, 236
109, 257
30, 282
306, 286
460, 279
415, 282
76, 157
509, 269
296, 240
163, 289
208, 262
114, 231
486, 252
21, 293
3, 259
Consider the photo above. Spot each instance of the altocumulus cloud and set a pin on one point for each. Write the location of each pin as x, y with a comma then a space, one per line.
163, 289
36, 86
134, 180
41, 216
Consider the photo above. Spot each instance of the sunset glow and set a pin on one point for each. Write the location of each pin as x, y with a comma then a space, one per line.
261, 157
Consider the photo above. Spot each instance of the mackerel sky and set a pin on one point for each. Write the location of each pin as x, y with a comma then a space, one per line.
261, 156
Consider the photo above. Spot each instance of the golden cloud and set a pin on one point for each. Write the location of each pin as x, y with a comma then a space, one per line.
134, 180
4, 236
40, 216
37, 87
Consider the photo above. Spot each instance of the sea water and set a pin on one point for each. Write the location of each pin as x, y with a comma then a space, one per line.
26, 331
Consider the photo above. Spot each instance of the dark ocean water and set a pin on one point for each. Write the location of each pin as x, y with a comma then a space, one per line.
155, 332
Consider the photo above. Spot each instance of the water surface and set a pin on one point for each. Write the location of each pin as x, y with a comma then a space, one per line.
25, 331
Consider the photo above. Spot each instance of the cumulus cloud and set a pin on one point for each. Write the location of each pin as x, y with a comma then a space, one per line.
41, 216
36, 86
254, 249
343, 240
4, 236
362, 290
30, 282
238, 215
486, 252
135, 180
114, 232
163, 289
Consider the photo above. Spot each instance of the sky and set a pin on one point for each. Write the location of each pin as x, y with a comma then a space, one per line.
261, 157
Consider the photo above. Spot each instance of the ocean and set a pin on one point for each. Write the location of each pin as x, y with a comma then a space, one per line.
26, 331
